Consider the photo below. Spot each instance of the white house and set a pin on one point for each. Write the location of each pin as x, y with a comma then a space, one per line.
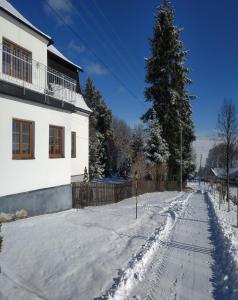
44, 119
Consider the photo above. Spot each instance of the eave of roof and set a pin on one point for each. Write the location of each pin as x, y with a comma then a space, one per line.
11, 11
52, 49
17, 16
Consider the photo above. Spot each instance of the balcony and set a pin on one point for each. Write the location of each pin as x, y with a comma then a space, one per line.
28, 73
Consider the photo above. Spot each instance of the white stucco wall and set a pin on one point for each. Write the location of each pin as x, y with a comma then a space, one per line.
23, 36
80, 124
18, 176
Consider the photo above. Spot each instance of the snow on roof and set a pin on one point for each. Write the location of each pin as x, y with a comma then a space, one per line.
7, 7
80, 103
64, 93
56, 52
221, 173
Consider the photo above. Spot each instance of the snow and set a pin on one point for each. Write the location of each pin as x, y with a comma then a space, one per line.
228, 222
56, 52
137, 267
63, 93
180, 245
111, 180
76, 254
6, 5
221, 173
182, 266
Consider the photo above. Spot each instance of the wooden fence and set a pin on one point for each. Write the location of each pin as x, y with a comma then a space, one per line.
97, 193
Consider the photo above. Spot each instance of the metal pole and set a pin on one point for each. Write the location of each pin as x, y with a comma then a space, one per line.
200, 170
220, 195
136, 179
237, 205
136, 198
181, 157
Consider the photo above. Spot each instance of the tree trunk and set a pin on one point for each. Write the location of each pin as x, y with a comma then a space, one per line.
227, 177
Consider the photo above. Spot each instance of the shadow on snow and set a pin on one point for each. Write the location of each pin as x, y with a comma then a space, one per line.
225, 273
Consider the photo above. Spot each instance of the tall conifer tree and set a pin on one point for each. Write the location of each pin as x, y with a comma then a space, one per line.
100, 132
167, 79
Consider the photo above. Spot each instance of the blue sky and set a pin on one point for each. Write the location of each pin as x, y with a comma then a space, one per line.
118, 32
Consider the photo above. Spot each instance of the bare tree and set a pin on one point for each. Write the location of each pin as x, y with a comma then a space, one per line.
217, 156
228, 132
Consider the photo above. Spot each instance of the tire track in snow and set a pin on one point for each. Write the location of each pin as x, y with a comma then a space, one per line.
137, 267
158, 267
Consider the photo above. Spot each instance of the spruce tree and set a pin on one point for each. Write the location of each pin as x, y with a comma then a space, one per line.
167, 80
156, 149
100, 131
96, 154
104, 126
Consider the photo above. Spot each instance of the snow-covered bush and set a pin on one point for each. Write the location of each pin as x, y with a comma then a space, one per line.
21, 214
85, 175
6, 217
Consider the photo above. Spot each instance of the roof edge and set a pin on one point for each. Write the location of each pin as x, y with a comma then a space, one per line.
66, 60
30, 27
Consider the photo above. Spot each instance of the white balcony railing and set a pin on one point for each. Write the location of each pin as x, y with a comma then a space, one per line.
33, 75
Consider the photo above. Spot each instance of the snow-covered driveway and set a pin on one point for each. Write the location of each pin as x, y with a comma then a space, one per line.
193, 262
182, 267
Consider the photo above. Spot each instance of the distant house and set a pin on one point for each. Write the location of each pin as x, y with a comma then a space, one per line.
220, 173
44, 119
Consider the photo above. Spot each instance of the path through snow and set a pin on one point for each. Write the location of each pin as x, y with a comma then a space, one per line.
184, 271
189, 259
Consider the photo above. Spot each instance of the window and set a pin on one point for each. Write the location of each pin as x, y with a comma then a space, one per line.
22, 139
16, 61
73, 144
56, 141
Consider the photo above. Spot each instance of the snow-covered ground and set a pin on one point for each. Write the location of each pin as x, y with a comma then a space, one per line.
228, 222
180, 247
182, 268
85, 254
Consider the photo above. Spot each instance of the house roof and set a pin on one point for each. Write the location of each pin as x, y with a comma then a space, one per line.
56, 52
10, 10
221, 172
